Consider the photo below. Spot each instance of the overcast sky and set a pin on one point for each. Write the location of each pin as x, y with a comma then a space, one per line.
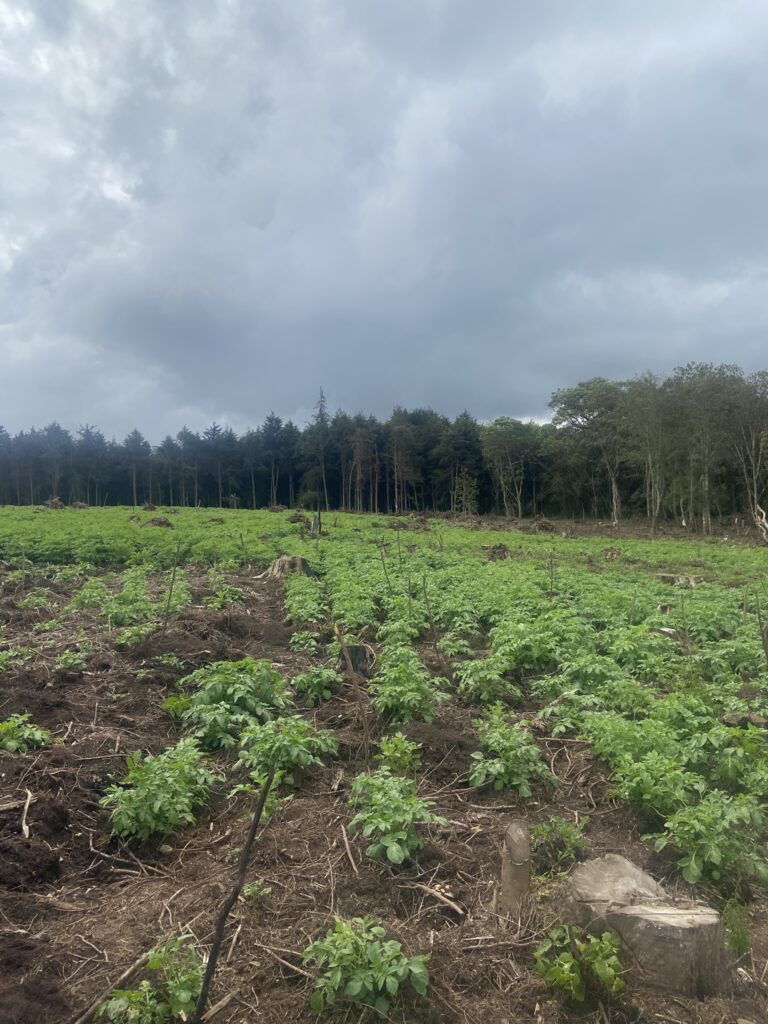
211, 208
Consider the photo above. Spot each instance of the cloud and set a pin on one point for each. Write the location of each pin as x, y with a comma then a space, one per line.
209, 210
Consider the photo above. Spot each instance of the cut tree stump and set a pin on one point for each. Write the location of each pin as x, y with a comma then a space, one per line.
360, 657
676, 945
287, 565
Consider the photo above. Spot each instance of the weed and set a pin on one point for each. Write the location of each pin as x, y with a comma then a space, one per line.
558, 842
256, 891
735, 918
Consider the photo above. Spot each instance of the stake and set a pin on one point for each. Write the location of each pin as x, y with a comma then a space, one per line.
229, 902
763, 631
358, 692
384, 566
170, 588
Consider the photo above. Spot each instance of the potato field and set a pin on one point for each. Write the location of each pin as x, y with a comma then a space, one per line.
401, 689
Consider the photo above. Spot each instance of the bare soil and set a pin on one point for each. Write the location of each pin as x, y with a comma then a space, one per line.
77, 908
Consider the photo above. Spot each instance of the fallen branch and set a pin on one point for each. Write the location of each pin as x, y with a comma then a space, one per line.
229, 902
436, 894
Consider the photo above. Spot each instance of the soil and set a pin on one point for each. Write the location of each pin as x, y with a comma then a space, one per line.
77, 908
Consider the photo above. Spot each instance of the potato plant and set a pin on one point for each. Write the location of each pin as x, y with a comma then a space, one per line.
389, 811
160, 793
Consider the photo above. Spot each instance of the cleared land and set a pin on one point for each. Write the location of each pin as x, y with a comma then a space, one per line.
635, 672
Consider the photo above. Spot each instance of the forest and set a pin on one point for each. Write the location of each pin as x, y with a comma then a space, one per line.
692, 446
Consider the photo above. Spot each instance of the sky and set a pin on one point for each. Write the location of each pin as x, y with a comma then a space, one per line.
210, 209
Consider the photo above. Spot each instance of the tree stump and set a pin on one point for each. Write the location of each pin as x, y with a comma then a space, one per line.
360, 658
676, 945
287, 565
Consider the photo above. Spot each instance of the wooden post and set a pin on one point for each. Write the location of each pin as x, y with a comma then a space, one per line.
515, 867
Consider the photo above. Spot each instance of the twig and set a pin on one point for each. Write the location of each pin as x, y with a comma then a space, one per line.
135, 966
235, 937
285, 963
229, 902
438, 896
24, 825
349, 851
13, 805
211, 1013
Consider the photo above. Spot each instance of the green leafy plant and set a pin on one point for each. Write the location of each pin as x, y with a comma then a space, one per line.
483, 681
403, 689
228, 697
656, 783
558, 842
254, 892
253, 789
38, 598
14, 656
18, 735
224, 594
735, 918
389, 811
304, 641
719, 835
287, 743
398, 755
160, 793
511, 759
132, 636
575, 961
171, 994
360, 965
316, 684
71, 661
49, 626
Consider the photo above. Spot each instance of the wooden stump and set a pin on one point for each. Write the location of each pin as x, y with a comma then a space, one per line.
287, 565
675, 945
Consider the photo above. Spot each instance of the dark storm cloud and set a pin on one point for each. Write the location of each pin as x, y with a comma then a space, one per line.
212, 209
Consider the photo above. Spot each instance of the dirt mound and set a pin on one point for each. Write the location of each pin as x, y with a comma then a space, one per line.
160, 521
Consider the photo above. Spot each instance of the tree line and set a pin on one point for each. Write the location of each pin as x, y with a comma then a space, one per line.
690, 446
